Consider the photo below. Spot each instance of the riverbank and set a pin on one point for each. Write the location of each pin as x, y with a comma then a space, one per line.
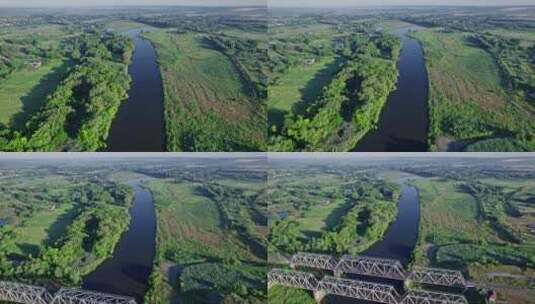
403, 122
135, 252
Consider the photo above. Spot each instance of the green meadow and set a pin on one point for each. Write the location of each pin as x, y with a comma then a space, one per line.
195, 234
25, 91
206, 105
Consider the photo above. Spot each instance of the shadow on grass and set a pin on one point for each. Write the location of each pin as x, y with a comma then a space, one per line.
276, 118
314, 87
335, 217
36, 97
29, 249
202, 295
55, 231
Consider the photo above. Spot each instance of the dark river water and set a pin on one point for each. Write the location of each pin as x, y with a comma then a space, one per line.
398, 243
403, 123
127, 272
139, 124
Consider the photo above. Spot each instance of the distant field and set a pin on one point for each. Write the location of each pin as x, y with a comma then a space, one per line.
292, 31
25, 91
206, 107
124, 25
299, 87
527, 36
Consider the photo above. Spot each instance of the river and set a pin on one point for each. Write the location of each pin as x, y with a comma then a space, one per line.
139, 123
398, 242
127, 272
403, 124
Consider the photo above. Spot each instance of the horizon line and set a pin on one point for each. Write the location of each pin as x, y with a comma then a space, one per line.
263, 6
404, 5
128, 5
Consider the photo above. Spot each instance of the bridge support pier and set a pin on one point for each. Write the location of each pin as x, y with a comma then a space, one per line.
319, 296
338, 273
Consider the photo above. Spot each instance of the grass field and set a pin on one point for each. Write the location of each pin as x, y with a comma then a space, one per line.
447, 215
25, 91
322, 217
193, 236
43, 229
467, 97
206, 107
298, 87
46, 222
125, 25
462, 72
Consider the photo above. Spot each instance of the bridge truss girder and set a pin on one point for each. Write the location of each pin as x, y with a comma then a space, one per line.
371, 266
314, 260
22, 293
435, 276
79, 296
293, 279
429, 297
359, 290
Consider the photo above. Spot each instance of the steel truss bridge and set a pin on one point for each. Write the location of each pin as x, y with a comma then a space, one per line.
379, 267
28, 294
357, 289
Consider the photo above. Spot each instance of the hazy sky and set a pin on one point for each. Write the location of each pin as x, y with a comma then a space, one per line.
325, 3
274, 3
55, 3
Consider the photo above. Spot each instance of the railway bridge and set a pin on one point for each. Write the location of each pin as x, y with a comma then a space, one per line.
29, 294
357, 289
379, 267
